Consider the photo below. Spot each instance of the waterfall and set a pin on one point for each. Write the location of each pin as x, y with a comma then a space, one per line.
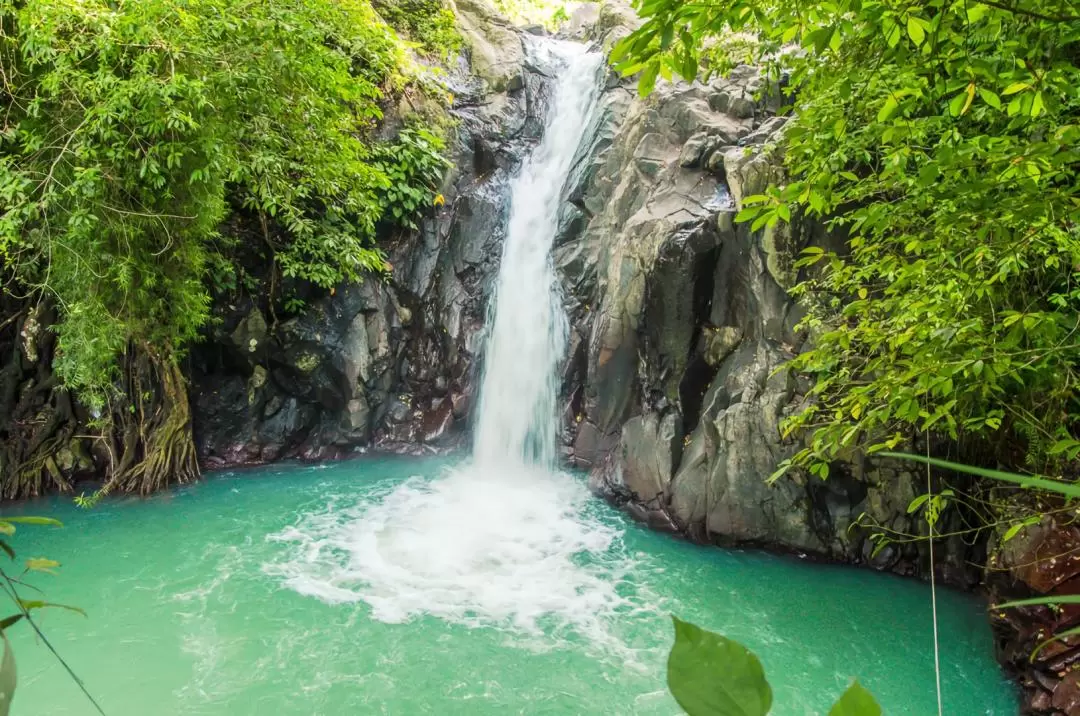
527, 328
504, 540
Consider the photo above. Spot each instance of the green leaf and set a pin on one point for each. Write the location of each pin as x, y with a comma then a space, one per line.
1056, 637
1039, 601
887, 109
819, 38
747, 214
41, 564
667, 36
35, 521
917, 503
620, 51
710, 675
31, 604
957, 103
990, 98
9, 621
1037, 104
892, 34
856, 701
1012, 531
1062, 488
647, 81
1015, 87
915, 30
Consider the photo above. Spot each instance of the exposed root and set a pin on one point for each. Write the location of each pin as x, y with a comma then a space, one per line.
143, 443
158, 448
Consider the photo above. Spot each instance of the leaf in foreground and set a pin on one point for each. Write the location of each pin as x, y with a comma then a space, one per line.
710, 675
856, 701
7, 678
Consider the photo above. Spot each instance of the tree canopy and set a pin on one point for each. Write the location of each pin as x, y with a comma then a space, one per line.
941, 139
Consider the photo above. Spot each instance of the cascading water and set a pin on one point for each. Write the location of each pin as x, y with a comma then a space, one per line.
505, 539
517, 421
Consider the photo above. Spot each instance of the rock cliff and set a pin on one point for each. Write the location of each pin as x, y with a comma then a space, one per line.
681, 318
386, 363
682, 321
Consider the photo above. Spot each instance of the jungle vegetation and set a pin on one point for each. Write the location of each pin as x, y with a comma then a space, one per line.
135, 138
941, 139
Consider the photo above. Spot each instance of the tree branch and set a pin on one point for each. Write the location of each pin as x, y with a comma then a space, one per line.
1029, 13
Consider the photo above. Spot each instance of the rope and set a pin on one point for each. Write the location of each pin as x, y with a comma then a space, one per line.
933, 590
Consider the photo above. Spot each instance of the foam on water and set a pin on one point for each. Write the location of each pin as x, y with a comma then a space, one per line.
504, 540
193, 611
471, 547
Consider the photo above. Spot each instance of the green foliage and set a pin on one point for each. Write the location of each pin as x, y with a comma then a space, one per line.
429, 23
942, 139
710, 675
415, 165
549, 13
133, 129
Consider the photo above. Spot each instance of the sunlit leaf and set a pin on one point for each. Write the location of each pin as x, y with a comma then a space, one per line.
915, 30
1064, 488
970, 98
41, 564
887, 109
49, 521
32, 604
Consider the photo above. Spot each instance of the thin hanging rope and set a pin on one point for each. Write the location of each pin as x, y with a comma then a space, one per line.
933, 589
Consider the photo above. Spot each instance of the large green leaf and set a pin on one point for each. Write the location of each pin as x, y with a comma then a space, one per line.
710, 675
35, 521
7, 678
1040, 601
856, 701
1062, 488
31, 604
41, 564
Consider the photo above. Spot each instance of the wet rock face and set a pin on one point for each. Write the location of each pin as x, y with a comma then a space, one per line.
683, 318
390, 364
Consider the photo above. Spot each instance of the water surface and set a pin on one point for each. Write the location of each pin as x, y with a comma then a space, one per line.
299, 590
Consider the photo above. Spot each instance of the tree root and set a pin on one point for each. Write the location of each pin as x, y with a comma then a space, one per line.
148, 425
158, 448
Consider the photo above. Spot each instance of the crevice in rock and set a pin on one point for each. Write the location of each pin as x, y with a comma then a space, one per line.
698, 374
695, 382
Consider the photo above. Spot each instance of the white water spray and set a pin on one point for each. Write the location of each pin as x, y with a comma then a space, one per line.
505, 540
